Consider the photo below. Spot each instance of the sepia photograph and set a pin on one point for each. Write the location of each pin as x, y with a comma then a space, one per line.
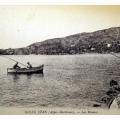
59, 59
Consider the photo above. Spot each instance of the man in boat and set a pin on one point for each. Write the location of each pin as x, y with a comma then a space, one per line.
16, 66
29, 65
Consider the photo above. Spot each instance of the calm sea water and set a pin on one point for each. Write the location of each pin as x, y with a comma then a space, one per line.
75, 81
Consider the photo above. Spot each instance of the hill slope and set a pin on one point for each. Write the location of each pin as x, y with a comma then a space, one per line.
102, 41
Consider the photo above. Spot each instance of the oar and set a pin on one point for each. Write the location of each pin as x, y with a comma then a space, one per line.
13, 60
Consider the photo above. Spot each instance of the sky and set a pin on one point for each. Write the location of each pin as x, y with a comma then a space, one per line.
21, 25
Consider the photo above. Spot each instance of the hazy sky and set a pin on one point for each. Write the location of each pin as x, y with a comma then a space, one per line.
21, 26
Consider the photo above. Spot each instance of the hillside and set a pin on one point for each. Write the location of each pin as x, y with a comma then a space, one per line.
102, 41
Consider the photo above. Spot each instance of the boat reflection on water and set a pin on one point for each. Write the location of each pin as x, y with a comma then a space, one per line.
16, 77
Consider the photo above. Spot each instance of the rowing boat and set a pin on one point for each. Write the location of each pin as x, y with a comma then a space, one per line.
32, 70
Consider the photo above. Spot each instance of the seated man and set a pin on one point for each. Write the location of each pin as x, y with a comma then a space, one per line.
16, 66
29, 65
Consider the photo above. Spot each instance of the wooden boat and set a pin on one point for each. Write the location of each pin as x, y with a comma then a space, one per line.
32, 70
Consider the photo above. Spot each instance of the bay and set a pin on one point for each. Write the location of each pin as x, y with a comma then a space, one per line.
70, 81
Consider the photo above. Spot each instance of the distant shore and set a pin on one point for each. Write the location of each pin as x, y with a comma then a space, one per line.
102, 41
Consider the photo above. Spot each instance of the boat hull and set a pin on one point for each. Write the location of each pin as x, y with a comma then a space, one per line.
25, 70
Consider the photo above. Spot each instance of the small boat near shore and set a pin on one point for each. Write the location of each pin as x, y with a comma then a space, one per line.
32, 70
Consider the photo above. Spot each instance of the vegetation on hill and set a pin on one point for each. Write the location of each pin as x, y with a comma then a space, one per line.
102, 41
